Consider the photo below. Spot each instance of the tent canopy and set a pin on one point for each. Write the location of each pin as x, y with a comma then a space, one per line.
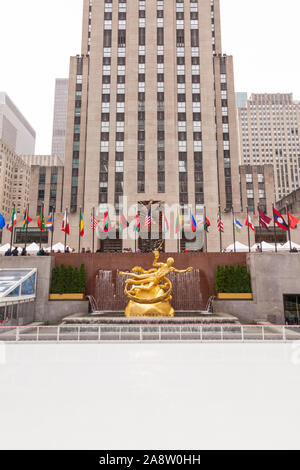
4, 248
265, 246
57, 247
238, 247
286, 246
33, 248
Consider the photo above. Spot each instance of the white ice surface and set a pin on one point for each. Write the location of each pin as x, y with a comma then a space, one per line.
149, 396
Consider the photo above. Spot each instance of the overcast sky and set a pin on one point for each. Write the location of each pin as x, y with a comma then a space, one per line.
37, 38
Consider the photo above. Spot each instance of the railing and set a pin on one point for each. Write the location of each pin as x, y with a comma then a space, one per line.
154, 333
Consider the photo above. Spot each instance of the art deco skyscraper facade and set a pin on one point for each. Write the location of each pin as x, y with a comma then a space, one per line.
151, 109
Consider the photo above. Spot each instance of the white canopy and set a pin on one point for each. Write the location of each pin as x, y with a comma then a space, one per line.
33, 248
4, 248
286, 246
265, 246
240, 247
57, 247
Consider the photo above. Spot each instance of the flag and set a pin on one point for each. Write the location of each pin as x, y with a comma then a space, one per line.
165, 224
137, 225
148, 219
49, 223
249, 223
293, 221
13, 221
65, 224
193, 223
123, 223
220, 224
206, 225
81, 224
94, 223
279, 220
178, 222
41, 221
2, 222
264, 220
238, 225
106, 223
26, 220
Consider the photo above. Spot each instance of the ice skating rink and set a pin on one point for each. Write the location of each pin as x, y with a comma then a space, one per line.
150, 396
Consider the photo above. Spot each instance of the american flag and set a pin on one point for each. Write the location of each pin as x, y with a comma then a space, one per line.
220, 224
94, 223
148, 219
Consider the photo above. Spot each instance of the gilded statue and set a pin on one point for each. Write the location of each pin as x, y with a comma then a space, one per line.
149, 292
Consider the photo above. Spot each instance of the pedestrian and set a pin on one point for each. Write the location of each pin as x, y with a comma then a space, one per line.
24, 252
15, 252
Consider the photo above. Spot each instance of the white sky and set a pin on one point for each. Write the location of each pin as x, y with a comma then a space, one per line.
37, 38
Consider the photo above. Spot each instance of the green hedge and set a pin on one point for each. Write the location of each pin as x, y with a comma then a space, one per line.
233, 279
68, 280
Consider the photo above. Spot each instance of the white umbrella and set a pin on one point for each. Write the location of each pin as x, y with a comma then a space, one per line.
286, 246
4, 248
239, 247
33, 248
57, 247
265, 246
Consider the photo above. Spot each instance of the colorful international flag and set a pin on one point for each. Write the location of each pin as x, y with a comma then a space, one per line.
13, 221
106, 223
178, 222
148, 219
220, 224
249, 223
264, 220
123, 223
41, 221
165, 227
94, 223
26, 220
279, 220
49, 223
65, 224
193, 223
137, 225
238, 226
293, 221
81, 224
206, 224
2, 222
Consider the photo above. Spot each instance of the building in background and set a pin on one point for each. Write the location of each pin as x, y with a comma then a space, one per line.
15, 130
291, 202
257, 187
269, 134
60, 117
241, 99
151, 110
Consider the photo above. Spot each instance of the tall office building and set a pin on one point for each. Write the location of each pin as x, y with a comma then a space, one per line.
269, 134
151, 110
15, 130
60, 117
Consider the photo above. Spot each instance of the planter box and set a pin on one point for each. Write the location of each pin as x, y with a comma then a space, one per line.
66, 296
235, 296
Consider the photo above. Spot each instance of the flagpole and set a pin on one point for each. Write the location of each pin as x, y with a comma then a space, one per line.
80, 215
274, 229
288, 220
26, 224
52, 233
260, 232
93, 222
42, 212
12, 229
205, 232
220, 228
66, 213
248, 230
233, 228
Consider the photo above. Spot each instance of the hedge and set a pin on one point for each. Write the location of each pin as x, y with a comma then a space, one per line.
233, 279
68, 280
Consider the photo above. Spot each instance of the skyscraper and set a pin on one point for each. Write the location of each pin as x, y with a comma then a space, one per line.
151, 109
15, 130
269, 134
60, 117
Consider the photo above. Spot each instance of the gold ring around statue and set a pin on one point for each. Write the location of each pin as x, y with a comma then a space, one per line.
162, 298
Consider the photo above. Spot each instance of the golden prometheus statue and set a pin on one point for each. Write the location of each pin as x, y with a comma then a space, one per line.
150, 291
